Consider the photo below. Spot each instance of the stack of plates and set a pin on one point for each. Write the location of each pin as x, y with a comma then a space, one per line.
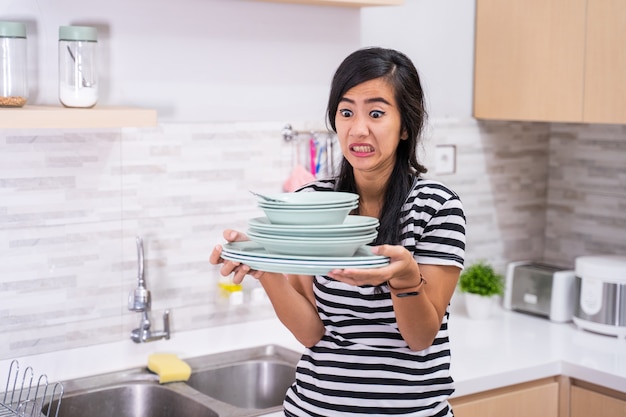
257, 257
308, 233
351, 226
316, 240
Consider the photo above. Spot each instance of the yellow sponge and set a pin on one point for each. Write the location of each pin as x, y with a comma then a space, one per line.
169, 367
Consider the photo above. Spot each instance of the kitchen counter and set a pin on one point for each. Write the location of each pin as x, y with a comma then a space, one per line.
512, 348
508, 348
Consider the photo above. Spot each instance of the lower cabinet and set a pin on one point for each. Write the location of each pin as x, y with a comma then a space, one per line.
533, 399
559, 396
596, 401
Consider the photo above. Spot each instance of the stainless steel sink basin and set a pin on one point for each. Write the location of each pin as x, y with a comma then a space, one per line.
131, 400
254, 384
255, 378
241, 383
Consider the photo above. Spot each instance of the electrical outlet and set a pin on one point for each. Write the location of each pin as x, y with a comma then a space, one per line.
445, 159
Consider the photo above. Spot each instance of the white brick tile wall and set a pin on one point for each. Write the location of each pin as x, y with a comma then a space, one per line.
72, 203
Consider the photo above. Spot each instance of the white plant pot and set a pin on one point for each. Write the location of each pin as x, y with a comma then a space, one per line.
479, 307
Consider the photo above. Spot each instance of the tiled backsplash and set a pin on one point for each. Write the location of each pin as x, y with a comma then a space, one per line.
72, 202
587, 192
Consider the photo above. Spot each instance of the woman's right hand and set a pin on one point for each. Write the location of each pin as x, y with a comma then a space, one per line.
291, 296
238, 269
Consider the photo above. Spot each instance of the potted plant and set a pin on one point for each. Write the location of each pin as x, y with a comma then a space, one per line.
481, 285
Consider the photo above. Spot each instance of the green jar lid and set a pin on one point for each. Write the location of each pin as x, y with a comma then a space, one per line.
78, 33
12, 30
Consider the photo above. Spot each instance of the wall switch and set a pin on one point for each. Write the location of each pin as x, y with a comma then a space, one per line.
445, 159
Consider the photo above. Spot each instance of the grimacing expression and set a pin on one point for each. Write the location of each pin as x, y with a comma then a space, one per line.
369, 127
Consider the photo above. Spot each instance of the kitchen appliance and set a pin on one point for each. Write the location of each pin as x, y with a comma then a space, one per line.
601, 289
540, 289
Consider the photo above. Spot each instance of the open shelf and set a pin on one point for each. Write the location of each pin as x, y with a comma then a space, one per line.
58, 117
348, 3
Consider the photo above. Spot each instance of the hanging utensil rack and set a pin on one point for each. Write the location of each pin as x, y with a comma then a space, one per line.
326, 138
289, 134
25, 397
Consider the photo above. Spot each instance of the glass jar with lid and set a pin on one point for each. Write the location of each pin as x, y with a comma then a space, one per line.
78, 70
13, 74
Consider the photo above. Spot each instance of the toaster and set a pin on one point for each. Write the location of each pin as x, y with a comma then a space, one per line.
540, 289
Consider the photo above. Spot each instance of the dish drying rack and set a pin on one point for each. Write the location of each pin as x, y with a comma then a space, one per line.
25, 399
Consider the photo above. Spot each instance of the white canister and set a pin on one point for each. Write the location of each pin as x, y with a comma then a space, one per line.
78, 69
601, 282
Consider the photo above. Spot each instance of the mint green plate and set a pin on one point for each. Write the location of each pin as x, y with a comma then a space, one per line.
309, 246
363, 255
256, 257
352, 226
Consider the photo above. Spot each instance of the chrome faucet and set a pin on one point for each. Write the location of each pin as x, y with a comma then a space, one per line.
139, 301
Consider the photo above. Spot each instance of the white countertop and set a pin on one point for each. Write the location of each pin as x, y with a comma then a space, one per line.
511, 348
508, 348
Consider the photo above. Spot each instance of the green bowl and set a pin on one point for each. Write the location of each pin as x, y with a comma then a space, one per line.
304, 199
315, 216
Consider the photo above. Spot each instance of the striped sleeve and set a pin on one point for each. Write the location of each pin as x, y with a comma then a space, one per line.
433, 225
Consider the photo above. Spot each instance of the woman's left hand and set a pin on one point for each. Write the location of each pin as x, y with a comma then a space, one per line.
402, 268
418, 318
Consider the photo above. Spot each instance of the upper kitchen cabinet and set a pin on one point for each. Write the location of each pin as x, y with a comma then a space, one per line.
351, 3
605, 62
529, 59
551, 60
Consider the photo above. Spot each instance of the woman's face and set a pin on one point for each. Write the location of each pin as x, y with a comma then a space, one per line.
368, 126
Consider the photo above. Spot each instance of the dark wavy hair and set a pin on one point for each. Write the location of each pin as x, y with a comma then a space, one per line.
397, 69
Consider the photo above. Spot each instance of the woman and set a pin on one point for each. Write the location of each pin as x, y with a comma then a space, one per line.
376, 339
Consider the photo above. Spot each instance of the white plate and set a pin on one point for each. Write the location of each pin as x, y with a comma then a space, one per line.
352, 226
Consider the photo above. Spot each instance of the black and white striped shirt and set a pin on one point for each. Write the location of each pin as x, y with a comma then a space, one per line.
362, 366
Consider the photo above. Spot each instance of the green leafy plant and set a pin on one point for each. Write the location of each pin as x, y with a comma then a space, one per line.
480, 278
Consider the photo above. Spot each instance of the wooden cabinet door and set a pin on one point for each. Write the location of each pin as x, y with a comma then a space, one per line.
526, 401
529, 60
585, 403
605, 62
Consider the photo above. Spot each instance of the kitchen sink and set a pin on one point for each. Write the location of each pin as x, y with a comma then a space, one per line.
131, 400
240, 383
253, 384
255, 378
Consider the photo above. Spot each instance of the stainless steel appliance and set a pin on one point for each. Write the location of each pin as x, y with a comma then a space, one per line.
601, 289
540, 289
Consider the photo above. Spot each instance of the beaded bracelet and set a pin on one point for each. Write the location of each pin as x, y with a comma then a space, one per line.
418, 288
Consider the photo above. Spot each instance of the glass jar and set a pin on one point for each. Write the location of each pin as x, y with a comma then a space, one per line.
78, 70
13, 74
